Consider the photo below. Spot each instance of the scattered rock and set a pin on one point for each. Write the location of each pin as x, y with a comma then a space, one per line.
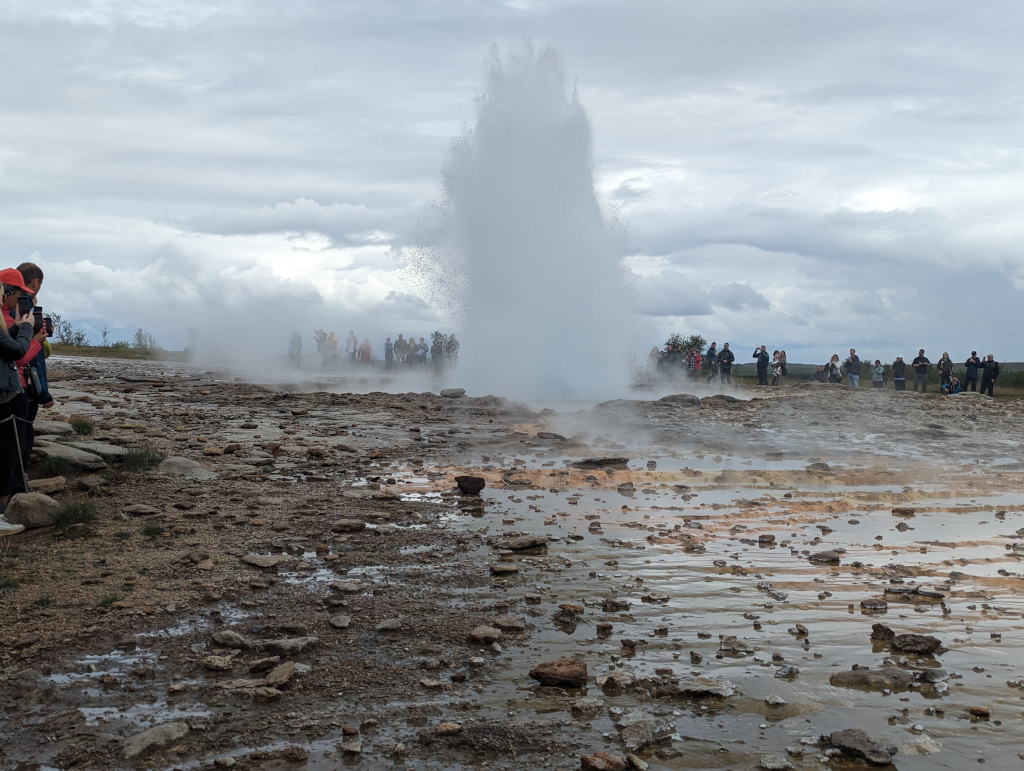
229, 638
568, 672
595, 463
448, 729
264, 560
504, 569
453, 393
281, 674
639, 729
616, 681
774, 763
47, 486
340, 621
587, 708
290, 645
828, 557
141, 510
80, 458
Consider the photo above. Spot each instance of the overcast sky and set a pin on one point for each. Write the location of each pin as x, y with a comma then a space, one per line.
811, 176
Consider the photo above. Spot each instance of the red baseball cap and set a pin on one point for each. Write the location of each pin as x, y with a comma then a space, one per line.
13, 277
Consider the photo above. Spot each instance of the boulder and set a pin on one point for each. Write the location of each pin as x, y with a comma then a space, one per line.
567, 672
453, 393
484, 635
280, 674
639, 729
32, 510
55, 427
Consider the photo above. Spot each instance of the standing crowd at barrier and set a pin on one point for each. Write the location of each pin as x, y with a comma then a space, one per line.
442, 352
674, 362
23, 388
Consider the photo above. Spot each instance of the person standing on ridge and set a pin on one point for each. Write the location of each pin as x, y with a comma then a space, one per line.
921, 365
989, 373
945, 368
878, 375
711, 360
389, 355
401, 348
725, 360
899, 374
852, 364
761, 354
972, 366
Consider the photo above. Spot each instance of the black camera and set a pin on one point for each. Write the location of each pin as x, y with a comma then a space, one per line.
49, 325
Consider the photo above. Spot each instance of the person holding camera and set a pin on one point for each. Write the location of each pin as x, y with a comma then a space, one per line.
32, 368
16, 341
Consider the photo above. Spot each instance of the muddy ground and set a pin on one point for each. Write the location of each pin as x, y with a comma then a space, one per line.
313, 591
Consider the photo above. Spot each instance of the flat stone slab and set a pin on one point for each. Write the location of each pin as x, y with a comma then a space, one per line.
523, 542
264, 560
81, 458
56, 427
157, 737
100, 448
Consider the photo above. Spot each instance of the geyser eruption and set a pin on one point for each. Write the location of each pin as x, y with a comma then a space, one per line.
521, 255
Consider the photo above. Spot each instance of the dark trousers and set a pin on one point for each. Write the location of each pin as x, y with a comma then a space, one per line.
762, 376
11, 415
900, 385
726, 374
972, 382
986, 386
26, 438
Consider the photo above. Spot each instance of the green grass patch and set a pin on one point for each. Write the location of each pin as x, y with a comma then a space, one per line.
57, 467
123, 535
82, 426
8, 585
153, 530
75, 512
43, 601
137, 459
107, 600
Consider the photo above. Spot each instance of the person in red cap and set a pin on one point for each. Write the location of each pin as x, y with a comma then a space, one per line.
14, 344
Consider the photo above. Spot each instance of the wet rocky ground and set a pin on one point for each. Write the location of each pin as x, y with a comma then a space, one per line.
800, 578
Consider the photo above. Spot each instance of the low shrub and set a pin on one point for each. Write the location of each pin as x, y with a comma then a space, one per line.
137, 459
82, 426
75, 512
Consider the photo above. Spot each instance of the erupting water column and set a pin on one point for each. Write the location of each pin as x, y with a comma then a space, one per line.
536, 279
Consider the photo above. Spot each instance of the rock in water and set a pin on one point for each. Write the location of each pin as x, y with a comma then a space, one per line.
916, 643
855, 743
602, 761
567, 672
154, 738
469, 485
873, 679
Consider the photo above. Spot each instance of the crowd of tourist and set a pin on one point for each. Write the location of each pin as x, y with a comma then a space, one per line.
440, 353
980, 372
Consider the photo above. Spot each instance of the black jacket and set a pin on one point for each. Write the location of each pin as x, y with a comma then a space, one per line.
12, 349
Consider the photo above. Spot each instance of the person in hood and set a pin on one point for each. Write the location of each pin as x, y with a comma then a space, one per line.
989, 373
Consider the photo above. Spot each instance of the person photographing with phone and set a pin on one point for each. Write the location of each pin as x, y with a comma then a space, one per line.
17, 339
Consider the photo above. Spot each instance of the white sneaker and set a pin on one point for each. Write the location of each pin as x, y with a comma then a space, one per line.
6, 528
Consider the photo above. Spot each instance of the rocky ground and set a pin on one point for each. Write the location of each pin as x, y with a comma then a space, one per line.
813, 576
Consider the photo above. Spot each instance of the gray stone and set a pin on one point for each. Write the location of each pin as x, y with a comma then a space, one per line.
484, 635
346, 587
290, 645
453, 393
829, 557
340, 621
157, 737
470, 485
140, 510
855, 743
58, 427
264, 560
587, 708
616, 682
640, 729
186, 468
774, 763
228, 638
281, 674
80, 458
390, 625
32, 510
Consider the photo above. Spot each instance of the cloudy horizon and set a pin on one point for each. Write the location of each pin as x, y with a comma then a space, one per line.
809, 176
